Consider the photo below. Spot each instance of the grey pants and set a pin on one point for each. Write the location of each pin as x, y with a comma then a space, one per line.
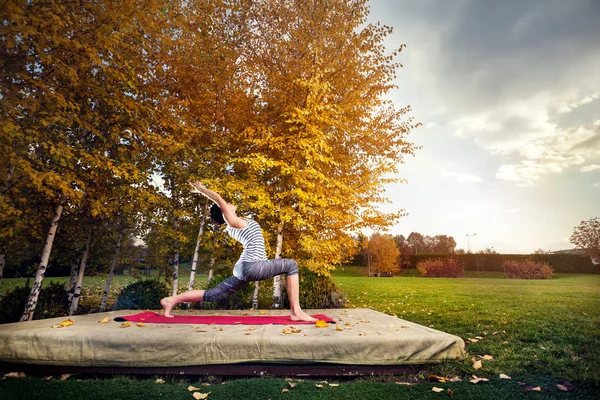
250, 272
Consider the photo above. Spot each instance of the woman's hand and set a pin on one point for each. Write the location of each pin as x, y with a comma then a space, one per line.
197, 187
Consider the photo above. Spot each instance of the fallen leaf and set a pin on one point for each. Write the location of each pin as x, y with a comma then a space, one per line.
292, 384
477, 364
159, 380
15, 375
337, 328
437, 389
141, 324
478, 337
192, 388
251, 329
126, 324
262, 312
533, 389
65, 323
321, 324
565, 386
334, 384
284, 390
503, 376
291, 330
200, 396
455, 379
362, 334
476, 379
64, 377
319, 386
200, 330
486, 357
472, 340
433, 377
104, 320
450, 392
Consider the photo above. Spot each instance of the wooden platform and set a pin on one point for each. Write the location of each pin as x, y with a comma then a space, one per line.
364, 342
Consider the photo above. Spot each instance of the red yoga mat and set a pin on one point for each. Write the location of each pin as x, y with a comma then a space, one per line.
154, 318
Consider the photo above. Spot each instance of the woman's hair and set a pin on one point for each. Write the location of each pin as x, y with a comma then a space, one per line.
216, 215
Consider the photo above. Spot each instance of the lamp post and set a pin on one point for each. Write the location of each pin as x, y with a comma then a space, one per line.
469, 236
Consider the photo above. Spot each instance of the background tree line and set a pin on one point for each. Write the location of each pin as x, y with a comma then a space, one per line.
108, 109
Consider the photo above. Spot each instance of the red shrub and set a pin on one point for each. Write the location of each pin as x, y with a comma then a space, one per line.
441, 268
527, 270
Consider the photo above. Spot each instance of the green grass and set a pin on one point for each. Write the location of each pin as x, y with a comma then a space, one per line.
528, 326
268, 388
538, 332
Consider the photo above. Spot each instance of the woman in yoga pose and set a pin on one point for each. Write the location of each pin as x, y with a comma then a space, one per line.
253, 264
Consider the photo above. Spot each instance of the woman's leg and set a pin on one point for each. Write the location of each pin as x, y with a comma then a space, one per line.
261, 270
218, 293
292, 287
190, 296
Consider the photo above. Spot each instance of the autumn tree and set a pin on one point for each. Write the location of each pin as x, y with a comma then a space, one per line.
587, 236
72, 84
382, 254
322, 141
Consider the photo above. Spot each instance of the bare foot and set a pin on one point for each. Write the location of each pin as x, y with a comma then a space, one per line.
301, 316
167, 303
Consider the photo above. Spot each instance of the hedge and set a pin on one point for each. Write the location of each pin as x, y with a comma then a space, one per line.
565, 263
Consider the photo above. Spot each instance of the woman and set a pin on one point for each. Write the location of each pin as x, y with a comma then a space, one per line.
253, 264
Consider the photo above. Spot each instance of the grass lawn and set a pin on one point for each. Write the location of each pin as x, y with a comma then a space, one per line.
538, 332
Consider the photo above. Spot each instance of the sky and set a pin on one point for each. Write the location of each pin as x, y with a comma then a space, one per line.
508, 94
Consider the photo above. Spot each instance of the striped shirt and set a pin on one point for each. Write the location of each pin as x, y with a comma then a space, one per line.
252, 239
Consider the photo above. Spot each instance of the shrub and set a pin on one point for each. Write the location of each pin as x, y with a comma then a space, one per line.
441, 268
144, 294
318, 291
527, 269
240, 300
52, 302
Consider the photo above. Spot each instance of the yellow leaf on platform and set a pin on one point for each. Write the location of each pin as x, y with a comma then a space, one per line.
262, 312
104, 320
321, 324
65, 323
337, 328
141, 324
126, 324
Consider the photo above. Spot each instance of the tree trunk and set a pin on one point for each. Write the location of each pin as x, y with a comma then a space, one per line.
2, 262
277, 281
41, 270
255, 295
211, 269
111, 273
73, 277
196, 251
77, 293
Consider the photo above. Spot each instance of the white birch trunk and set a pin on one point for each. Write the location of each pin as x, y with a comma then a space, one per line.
41, 270
73, 278
211, 270
79, 284
195, 259
255, 295
277, 281
111, 273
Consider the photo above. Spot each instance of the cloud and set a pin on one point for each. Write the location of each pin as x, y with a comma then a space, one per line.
462, 177
589, 168
502, 83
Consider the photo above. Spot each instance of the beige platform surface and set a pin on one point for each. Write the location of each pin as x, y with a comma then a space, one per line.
366, 337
